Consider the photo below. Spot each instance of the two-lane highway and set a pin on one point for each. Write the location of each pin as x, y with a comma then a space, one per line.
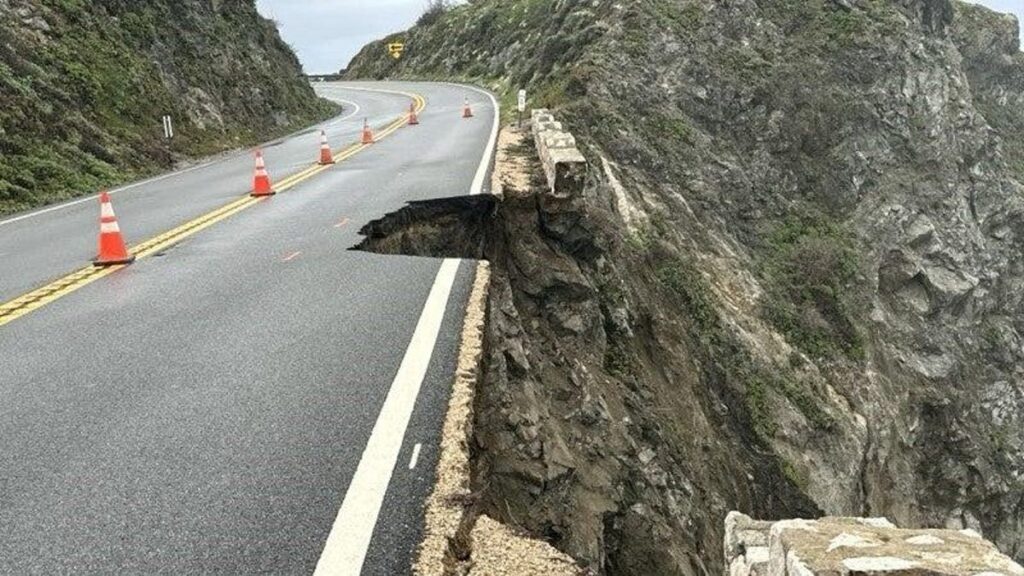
45, 244
250, 400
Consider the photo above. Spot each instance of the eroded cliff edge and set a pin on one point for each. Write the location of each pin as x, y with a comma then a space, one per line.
791, 284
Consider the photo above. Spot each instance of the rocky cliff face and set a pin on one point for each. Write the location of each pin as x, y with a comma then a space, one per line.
793, 283
84, 84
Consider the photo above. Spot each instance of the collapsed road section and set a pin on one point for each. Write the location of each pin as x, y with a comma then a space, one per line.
536, 182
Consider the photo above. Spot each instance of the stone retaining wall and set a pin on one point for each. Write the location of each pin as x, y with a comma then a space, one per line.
564, 165
848, 546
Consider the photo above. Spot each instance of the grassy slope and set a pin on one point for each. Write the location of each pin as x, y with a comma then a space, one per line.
85, 83
503, 45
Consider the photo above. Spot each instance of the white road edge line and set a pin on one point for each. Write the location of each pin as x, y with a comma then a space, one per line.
154, 179
347, 116
415, 455
93, 197
350, 536
485, 163
349, 540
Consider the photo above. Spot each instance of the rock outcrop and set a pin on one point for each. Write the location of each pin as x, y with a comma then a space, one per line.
791, 284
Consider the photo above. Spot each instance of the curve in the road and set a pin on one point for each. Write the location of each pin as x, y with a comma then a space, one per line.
355, 109
27, 303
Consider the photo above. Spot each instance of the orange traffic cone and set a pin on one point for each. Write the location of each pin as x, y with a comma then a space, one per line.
112, 250
261, 182
467, 112
367, 133
413, 119
325, 150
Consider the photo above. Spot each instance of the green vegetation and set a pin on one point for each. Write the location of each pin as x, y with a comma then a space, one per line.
686, 282
618, 358
434, 11
793, 475
810, 262
674, 129
542, 45
729, 359
85, 84
822, 26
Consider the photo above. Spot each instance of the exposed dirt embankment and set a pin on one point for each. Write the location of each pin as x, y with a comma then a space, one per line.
582, 438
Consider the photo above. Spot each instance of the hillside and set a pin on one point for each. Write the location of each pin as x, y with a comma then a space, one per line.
792, 287
85, 83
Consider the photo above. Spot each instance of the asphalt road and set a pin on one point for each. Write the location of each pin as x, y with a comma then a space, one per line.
204, 411
39, 248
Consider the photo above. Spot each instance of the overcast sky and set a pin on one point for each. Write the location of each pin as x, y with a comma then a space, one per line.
328, 33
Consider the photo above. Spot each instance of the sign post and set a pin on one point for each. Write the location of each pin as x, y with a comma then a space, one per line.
168, 127
522, 106
395, 49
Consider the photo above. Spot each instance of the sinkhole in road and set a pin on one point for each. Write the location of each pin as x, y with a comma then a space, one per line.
457, 227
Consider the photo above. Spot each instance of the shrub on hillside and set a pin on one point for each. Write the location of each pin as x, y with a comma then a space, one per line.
433, 12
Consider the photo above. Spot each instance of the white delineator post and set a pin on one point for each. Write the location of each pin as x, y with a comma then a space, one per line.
168, 127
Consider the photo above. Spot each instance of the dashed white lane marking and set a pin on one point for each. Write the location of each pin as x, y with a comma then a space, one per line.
349, 540
415, 456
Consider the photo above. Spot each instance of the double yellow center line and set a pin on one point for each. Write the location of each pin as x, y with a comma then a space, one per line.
25, 304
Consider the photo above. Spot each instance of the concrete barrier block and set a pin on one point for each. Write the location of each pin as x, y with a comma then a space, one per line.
559, 140
537, 112
569, 171
542, 127
861, 546
564, 166
547, 124
743, 532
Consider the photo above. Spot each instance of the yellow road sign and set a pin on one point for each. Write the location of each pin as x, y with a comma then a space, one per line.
395, 49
